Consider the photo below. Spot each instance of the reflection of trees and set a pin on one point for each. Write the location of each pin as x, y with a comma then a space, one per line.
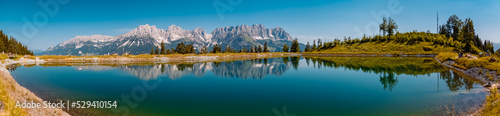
295, 62
388, 67
388, 80
181, 67
254, 68
408, 66
286, 59
454, 81
12, 67
307, 60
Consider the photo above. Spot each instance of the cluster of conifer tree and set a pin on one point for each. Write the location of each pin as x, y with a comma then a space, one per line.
11, 45
294, 48
252, 49
182, 48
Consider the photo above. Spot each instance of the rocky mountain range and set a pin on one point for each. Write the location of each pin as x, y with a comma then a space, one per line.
141, 39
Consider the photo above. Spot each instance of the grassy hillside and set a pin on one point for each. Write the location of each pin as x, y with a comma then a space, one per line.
406, 43
388, 48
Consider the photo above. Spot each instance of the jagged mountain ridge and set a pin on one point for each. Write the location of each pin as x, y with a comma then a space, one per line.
141, 39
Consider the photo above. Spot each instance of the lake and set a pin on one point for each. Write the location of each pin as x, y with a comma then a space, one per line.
289, 86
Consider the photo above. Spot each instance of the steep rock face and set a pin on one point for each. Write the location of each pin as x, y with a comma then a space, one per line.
258, 32
141, 39
244, 36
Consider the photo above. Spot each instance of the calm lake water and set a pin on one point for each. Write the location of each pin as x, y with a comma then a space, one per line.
290, 86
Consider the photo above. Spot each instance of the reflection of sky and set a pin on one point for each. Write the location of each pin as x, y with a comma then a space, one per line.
306, 91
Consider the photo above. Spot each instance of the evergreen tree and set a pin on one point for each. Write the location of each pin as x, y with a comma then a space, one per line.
157, 50
295, 46
216, 49
243, 50
265, 47
11, 45
163, 50
285, 48
168, 51
391, 26
314, 45
260, 49
252, 50
307, 49
388, 26
383, 26
319, 43
181, 48
152, 51
453, 27
256, 49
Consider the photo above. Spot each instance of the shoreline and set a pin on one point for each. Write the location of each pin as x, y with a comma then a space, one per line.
184, 59
477, 73
367, 55
12, 92
474, 72
175, 58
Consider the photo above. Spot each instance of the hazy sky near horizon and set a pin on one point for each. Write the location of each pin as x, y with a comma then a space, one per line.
306, 20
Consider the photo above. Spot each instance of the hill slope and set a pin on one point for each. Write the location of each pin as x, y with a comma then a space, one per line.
405, 43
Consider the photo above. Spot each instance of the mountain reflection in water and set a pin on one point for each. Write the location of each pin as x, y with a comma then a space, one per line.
387, 67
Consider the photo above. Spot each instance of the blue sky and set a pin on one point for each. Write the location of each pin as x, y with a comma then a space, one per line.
306, 20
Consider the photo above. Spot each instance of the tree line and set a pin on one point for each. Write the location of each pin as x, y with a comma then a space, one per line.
294, 48
455, 33
182, 48
11, 45
464, 32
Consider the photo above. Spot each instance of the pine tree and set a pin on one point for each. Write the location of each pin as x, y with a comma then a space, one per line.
314, 45
11, 45
319, 43
265, 47
256, 49
285, 48
152, 51
252, 49
259, 50
216, 49
295, 46
163, 50
307, 49
157, 50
